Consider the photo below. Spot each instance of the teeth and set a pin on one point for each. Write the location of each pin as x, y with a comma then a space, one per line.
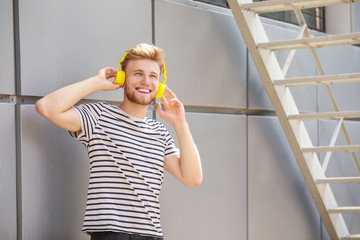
143, 90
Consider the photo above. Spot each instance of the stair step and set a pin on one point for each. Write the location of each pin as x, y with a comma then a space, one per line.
267, 64
287, 5
345, 210
326, 115
338, 180
317, 80
351, 237
313, 42
347, 148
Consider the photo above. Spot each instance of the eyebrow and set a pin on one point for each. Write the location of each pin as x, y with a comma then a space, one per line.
140, 70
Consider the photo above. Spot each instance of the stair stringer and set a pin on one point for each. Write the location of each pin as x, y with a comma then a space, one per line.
284, 105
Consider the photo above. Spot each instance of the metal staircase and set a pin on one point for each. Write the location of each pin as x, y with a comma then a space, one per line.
277, 86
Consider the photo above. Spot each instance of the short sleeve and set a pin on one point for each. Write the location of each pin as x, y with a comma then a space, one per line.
170, 148
89, 115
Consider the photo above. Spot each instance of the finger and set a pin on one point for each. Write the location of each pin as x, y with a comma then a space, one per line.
110, 72
159, 110
169, 94
163, 100
176, 103
158, 107
174, 100
117, 86
113, 72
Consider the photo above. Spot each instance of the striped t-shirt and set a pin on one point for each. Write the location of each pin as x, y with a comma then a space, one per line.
126, 169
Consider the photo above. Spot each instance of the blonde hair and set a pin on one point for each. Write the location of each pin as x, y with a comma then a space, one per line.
144, 51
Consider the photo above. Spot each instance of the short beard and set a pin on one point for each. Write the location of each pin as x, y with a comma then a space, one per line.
132, 98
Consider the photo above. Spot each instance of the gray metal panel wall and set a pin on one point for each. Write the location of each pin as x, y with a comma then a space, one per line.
302, 65
337, 60
216, 209
356, 17
205, 55
280, 205
7, 172
341, 165
7, 78
67, 41
54, 180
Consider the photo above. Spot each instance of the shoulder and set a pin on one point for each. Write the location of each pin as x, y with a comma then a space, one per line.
155, 125
93, 107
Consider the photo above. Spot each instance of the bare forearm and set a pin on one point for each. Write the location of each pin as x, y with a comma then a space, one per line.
190, 163
63, 99
56, 106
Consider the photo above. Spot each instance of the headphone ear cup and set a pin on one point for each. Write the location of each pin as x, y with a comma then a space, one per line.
120, 78
161, 90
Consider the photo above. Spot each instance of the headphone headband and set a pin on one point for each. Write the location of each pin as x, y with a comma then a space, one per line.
162, 60
164, 71
122, 59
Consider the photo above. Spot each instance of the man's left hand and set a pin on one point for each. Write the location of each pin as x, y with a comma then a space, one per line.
174, 109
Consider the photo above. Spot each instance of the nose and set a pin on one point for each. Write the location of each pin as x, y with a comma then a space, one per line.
145, 80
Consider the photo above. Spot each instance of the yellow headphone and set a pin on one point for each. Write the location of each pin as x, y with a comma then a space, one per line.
120, 78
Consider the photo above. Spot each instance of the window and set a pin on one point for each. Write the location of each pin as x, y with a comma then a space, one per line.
222, 3
315, 17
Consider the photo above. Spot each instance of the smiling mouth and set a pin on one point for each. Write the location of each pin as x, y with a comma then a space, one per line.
143, 90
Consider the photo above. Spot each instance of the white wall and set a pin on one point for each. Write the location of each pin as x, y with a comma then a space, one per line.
342, 18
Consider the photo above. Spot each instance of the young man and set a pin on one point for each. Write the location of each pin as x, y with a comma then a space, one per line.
127, 150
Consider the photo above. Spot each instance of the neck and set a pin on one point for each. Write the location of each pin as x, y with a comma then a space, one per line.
133, 109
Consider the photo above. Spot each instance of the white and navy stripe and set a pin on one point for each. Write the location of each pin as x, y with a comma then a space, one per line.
126, 169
